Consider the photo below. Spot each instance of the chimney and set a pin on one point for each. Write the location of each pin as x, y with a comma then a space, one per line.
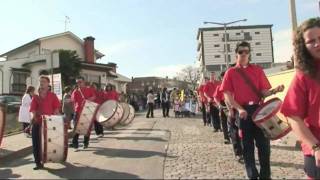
89, 49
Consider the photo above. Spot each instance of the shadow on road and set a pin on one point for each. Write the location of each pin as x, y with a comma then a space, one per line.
86, 172
124, 153
7, 173
286, 148
140, 138
287, 165
16, 163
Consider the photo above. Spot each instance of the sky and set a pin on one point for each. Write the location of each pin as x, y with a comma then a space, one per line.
146, 37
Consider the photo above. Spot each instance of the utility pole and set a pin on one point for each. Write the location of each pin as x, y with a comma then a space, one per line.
293, 14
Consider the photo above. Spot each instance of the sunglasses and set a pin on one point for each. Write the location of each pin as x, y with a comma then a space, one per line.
243, 51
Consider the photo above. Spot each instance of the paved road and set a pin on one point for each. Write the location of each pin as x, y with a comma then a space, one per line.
155, 149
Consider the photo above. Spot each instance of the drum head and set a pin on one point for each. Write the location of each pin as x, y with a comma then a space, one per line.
106, 110
267, 110
2, 122
126, 112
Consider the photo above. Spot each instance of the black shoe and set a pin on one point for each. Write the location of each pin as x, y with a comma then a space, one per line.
147, 116
40, 166
76, 146
240, 159
85, 146
226, 141
215, 130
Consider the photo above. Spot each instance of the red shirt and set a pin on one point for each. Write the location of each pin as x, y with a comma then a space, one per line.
44, 106
218, 94
111, 95
303, 100
99, 97
243, 94
201, 93
79, 100
210, 88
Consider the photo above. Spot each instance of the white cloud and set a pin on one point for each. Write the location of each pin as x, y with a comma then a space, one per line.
283, 48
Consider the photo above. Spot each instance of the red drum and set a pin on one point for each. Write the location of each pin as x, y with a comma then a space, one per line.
84, 123
54, 139
2, 122
109, 113
273, 123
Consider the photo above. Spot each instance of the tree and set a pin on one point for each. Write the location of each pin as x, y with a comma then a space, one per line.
70, 66
189, 74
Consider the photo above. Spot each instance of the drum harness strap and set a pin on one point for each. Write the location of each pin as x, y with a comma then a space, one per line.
249, 83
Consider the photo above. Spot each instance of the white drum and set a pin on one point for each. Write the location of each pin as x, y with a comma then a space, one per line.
131, 115
109, 113
2, 122
274, 124
86, 119
54, 139
126, 112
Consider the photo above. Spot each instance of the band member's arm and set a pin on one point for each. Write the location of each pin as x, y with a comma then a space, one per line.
217, 102
305, 135
270, 92
229, 99
208, 97
33, 117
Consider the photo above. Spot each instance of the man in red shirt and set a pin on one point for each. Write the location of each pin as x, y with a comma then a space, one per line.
79, 96
209, 90
203, 100
99, 100
242, 97
219, 99
302, 102
46, 103
110, 93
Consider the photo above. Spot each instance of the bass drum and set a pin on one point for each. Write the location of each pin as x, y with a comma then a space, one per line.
131, 116
54, 139
109, 113
86, 118
2, 122
126, 112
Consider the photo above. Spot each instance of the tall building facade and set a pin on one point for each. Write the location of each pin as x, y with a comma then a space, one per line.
211, 47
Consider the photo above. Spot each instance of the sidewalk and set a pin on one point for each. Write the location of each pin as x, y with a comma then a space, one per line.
15, 146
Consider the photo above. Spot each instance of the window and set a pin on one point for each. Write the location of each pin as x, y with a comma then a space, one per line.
258, 43
258, 54
19, 82
217, 56
215, 34
217, 45
256, 32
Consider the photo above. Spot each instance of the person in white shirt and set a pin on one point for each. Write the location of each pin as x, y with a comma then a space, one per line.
150, 102
24, 114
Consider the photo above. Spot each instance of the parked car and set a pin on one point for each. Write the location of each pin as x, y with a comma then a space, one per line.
10, 102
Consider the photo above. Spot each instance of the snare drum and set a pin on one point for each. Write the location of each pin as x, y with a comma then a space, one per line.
54, 139
126, 112
274, 124
2, 122
84, 123
109, 113
131, 116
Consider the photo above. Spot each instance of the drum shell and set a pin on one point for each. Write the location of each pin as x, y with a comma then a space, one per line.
131, 116
275, 125
54, 139
126, 112
115, 116
86, 118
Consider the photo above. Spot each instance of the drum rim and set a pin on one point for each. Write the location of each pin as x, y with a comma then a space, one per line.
134, 115
121, 122
44, 141
65, 150
112, 113
274, 111
3, 123
91, 122
282, 134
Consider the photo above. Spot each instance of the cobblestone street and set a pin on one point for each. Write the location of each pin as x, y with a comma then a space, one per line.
196, 152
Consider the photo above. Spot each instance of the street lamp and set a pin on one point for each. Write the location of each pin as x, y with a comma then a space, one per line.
225, 36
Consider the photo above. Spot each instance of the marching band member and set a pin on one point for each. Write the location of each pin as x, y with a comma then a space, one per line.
244, 86
46, 103
209, 90
203, 100
219, 99
99, 100
79, 96
110, 93
302, 102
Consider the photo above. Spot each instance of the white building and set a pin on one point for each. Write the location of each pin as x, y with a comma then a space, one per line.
211, 46
23, 65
